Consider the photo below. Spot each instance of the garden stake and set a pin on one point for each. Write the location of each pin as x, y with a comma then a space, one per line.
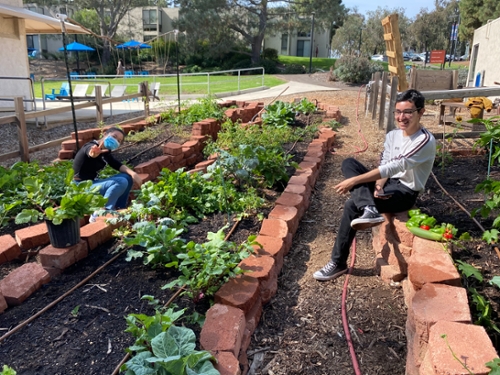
52, 304
458, 204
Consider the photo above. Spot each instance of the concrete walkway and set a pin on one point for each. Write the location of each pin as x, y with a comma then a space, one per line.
127, 107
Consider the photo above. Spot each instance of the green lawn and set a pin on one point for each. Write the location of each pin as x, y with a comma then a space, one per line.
198, 84
317, 62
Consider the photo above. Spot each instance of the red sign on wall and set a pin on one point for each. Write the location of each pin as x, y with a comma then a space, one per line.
437, 56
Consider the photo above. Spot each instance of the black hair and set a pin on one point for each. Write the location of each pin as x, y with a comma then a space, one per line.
114, 129
412, 96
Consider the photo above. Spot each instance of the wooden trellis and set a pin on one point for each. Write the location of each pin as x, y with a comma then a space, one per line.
394, 50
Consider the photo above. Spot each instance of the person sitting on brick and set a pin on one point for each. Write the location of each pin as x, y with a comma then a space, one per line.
93, 157
405, 166
477, 105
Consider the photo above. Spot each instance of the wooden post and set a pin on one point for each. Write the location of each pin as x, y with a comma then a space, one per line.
145, 97
375, 95
454, 78
369, 94
98, 104
383, 94
392, 104
21, 129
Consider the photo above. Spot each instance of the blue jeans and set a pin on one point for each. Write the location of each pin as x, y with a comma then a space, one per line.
116, 188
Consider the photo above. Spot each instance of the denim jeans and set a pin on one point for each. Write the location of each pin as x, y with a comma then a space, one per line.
116, 188
403, 199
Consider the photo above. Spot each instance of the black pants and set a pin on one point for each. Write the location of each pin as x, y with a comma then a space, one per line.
403, 199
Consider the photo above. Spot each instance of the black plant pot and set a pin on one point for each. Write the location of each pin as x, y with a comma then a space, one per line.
65, 234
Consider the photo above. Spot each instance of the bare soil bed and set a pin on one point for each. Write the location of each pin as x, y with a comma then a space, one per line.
300, 330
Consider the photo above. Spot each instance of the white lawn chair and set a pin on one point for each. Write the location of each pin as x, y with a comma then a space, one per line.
118, 90
80, 90
104, 88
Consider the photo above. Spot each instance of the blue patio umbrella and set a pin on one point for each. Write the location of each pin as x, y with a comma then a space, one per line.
133, 44
77, 47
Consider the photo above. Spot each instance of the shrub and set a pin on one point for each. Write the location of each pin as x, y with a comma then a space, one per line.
294, 69
270, 54
270, 66
353, 69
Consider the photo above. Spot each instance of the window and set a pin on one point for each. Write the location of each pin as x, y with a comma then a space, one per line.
149, 19
303, 34
29, 41
284, 42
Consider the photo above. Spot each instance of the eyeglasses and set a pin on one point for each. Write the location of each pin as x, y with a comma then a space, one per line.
406, 113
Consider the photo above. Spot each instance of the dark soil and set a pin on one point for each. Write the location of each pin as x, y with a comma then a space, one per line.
300, 330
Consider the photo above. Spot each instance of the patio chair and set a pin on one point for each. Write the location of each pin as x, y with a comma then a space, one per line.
73, 75
129, 73
154, 91
118, 90
91, 75
104, 88
80, 90
63, 91
144, 73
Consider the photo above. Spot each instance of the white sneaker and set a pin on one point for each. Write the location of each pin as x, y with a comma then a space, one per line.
93, 218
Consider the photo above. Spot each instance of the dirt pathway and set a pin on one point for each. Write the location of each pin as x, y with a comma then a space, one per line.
301, 329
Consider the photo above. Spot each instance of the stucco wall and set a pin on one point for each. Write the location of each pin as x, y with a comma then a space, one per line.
321, 40
14, 59
488, 53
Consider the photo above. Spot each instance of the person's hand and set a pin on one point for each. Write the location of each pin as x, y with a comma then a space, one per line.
379, 194
345, 186
137, 179
95, 151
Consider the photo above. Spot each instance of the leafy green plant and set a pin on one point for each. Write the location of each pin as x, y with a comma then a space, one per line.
78, 200
160, 347
494, 366
333, 124
202, 109
305, 106
161, 243
248, 165
151, 132
206, 267
7, 371
278, 114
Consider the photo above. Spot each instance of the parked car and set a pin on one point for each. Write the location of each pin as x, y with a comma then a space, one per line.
417, 57
406, 56
464, 57
378, 58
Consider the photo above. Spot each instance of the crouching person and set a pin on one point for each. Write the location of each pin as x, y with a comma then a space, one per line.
93, 157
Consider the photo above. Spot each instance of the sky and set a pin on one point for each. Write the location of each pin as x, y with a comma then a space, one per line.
412, 7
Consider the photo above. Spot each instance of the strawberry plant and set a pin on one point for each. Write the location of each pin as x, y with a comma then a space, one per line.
202, 109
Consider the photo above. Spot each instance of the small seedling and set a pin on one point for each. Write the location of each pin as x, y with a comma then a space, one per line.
74, 312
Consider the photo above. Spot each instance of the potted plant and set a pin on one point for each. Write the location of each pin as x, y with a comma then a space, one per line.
61, 214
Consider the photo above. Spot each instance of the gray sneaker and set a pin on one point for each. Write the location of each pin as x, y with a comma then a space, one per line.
370, 218
329, 272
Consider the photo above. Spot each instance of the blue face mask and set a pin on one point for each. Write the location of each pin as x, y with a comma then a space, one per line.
111, 143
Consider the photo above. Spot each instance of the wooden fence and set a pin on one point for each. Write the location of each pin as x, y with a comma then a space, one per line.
20, 117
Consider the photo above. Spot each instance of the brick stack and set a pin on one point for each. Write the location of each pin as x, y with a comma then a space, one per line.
437, 304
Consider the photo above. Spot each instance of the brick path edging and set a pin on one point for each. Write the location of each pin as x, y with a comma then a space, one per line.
437, 303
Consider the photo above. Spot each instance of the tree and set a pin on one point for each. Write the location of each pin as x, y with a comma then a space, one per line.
347, 39
373, 33
474, 14
219, 25
431, 30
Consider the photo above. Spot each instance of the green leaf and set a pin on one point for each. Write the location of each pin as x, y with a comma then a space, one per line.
469, 270
494, 365
495, 281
